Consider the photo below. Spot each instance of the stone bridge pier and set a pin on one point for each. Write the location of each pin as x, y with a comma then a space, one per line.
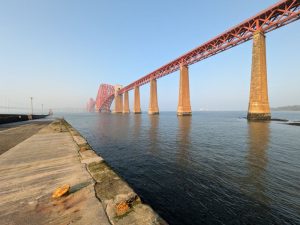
184, 104
118, 100
259, 108
126, 103
137, 102
153, 104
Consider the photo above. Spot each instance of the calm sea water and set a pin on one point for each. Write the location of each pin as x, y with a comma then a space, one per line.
211, 168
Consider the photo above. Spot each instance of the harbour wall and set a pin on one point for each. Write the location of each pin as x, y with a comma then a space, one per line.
11, 118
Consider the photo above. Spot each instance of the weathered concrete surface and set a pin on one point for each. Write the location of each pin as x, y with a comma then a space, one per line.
118, 100
112, 191
184, 104
153, 104
14, 133
32, 170
118, 104
136, 102
126, 103
259, 108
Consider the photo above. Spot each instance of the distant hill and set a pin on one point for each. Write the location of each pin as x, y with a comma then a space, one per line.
287, 108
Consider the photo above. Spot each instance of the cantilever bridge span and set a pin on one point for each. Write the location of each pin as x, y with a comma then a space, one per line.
104, 97
278, 15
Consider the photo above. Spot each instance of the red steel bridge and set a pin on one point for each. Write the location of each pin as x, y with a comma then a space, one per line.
105, 97
276, 16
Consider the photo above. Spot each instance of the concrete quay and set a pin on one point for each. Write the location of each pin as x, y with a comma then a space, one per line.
56, 155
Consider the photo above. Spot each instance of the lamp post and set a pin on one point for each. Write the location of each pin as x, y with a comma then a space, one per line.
31, 99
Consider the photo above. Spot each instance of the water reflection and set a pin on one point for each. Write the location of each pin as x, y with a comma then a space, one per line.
120, 126
153, 133
258, 134
183, 139
202, 161
137, 126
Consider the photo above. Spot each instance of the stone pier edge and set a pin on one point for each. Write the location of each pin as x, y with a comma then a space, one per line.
111, 190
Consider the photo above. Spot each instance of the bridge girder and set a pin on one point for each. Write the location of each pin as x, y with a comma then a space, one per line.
279, 14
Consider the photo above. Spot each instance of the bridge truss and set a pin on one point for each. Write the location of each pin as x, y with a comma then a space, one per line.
278, 15
105, 97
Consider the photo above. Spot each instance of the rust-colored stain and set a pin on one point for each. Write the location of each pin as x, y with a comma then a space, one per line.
122, 208
71, 201
83, 149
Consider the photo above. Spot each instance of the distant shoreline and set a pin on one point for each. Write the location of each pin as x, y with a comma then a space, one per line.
287, 108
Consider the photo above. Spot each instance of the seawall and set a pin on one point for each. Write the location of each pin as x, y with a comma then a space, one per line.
122, 205
10, 118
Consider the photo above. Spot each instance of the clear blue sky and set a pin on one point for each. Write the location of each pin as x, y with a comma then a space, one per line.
59, 51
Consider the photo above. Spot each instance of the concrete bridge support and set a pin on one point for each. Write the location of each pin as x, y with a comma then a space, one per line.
184, 105
137, 104
153, 105
259, 108
118, 100
126, 103
118, 104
